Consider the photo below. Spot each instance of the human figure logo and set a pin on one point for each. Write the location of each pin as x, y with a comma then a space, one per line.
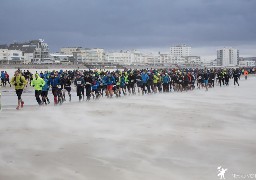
221, 172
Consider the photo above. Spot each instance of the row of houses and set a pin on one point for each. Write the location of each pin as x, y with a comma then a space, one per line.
129, 57
37, 52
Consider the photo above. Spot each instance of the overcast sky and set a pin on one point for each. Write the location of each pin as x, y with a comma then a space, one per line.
132, 24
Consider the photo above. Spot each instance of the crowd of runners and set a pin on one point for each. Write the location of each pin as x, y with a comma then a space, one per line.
94, 84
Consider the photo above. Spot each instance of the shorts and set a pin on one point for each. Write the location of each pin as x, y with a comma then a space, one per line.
44, 93
19, 92
185, 84
80, 90
110, 87
103, 87
38, 92
205, 82
67, 89
140, 85
55, 91
96, 91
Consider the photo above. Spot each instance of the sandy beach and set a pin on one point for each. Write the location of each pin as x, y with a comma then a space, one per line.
177, 136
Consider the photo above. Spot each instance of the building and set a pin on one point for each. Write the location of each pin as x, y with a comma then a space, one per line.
4, 55
180, 50
41, 53
95, 55
85, 55
11, 56
178, 60
70, 50
119, 57
165, 58
124, 57
246, 63
35, 51
193, 60
58, 58
16, 57
227, 57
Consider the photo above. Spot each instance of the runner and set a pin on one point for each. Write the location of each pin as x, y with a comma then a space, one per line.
7, 79
245, 74
19, 82
206, 79
45, 90
110, 82
155, 80
79, 83
66, 87
88, 85
236, 76
3, 83
165, 81
38, 84
139, 82
132, 81
122, 84
55, 83
144, 78
95, 88
211, 78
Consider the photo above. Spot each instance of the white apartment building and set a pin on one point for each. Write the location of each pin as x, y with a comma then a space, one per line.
11, 56
16, 55
246, 63
193, 60
28, 58
165, 58
70, 50
151, 58
119, 57
169, 59
61, 58
136, 57
126, 57
180, 50
227, 56
178, 60
95, 55
85, 55
4, 54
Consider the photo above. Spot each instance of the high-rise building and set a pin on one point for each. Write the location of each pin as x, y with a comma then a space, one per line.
227, 57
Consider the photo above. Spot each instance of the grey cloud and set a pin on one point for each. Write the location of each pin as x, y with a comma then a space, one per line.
129, 23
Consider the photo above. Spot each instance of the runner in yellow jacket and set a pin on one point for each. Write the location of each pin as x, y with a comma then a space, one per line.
38, 84
19, 83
